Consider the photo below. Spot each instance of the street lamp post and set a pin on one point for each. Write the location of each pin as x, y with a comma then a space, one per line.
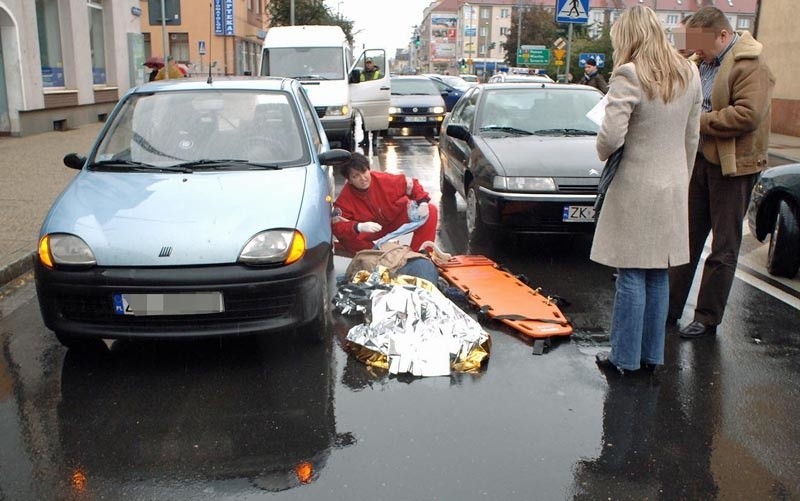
471, 27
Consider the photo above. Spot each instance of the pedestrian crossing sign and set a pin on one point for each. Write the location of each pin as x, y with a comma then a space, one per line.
572, 11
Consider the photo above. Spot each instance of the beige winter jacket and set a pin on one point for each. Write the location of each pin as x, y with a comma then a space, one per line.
644, 222
737, 128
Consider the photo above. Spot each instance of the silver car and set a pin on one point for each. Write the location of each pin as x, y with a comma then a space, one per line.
203, 209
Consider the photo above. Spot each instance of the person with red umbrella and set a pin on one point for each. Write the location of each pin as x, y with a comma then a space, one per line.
154, 64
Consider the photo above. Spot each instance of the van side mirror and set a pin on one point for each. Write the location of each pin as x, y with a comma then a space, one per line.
74, 161
355, 75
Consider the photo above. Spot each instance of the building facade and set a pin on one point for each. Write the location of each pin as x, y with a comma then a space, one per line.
778, 32
453, 31
231, 32
64, 63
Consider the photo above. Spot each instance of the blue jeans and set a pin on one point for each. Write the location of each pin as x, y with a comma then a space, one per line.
638, 322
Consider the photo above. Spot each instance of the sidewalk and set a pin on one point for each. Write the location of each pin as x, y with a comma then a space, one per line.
32, 175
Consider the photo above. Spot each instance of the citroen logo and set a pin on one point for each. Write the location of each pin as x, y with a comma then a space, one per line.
594, 172
165, 252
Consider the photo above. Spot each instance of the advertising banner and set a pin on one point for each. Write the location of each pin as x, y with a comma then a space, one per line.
443, 36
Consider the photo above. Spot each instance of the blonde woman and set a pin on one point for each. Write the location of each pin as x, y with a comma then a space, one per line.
653, 109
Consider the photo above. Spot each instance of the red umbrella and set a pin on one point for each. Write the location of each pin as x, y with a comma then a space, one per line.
154, 62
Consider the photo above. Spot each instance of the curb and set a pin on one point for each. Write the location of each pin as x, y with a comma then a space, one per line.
17, 268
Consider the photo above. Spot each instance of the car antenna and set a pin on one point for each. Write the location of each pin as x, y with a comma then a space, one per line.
210, 36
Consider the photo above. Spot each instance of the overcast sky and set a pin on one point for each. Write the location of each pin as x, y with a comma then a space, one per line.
383, 24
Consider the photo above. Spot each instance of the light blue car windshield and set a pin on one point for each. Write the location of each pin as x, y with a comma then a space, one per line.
175, 127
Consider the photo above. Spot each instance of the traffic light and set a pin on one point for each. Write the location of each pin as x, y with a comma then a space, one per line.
463, 62
416, 40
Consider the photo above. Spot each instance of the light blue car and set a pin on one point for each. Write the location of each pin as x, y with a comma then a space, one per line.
203, 209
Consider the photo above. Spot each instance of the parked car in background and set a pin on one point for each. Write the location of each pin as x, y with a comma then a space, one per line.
417, 106
518, 78
203, 209
451, 88
775, 211
523, 156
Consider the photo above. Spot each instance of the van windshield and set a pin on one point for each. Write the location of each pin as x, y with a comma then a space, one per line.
307, 63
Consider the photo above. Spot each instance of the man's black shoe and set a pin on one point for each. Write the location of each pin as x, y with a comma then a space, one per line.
697, 329
606, 365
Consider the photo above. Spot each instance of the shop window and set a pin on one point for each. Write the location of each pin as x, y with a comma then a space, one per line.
97, 41
50, 43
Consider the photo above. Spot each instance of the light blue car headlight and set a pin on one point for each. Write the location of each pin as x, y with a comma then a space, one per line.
274, 246
524, 183
438, 109
394, 110
65, 249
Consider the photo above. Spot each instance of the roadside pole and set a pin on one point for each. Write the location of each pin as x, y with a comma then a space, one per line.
569, 48
164, 39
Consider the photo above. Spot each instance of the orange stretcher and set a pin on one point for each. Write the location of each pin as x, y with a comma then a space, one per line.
499, 295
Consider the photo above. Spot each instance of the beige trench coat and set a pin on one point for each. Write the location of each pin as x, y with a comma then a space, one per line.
644, 222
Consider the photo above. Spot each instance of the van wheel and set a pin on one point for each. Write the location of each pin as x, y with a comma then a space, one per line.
349, 141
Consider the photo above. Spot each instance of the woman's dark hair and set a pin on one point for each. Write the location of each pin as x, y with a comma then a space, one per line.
357, 162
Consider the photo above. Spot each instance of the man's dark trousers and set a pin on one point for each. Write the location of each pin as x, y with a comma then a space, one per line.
718, 204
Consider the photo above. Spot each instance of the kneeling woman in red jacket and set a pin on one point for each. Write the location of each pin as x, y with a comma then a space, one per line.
374, 204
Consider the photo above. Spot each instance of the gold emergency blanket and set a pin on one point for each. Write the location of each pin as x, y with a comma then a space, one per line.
413, 328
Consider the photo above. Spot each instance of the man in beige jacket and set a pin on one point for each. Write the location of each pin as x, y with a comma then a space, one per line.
734, 128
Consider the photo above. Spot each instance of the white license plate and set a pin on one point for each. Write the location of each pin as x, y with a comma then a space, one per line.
578, 214
416, 119
190, 303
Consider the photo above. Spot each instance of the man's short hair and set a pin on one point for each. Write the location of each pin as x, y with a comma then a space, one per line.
357, 162
710, 18
591, 62
369, 60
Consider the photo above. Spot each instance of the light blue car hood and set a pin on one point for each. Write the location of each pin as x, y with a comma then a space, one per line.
205, 217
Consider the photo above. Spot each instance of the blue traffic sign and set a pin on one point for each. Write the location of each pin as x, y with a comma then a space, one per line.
599, 58
572, 11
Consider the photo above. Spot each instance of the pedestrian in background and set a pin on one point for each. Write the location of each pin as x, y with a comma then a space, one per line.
654, 111
734, 128
592, 76
172, 68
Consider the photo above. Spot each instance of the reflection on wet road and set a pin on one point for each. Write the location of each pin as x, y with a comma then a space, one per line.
256, 418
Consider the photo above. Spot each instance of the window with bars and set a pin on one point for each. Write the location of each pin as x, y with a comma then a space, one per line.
179, 47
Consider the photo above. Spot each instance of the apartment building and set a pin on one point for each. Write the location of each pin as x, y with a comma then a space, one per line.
456, 30
229, 32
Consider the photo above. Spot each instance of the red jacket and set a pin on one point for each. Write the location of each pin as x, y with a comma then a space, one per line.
384, 202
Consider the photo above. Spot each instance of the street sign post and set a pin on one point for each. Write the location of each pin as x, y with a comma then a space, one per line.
599, 57
537, 55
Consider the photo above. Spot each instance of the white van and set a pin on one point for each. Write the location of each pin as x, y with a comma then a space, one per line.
321, 59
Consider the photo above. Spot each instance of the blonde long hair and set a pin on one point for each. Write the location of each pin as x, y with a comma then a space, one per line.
637, 36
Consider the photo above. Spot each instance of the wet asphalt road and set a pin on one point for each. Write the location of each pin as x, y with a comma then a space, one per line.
261, 418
